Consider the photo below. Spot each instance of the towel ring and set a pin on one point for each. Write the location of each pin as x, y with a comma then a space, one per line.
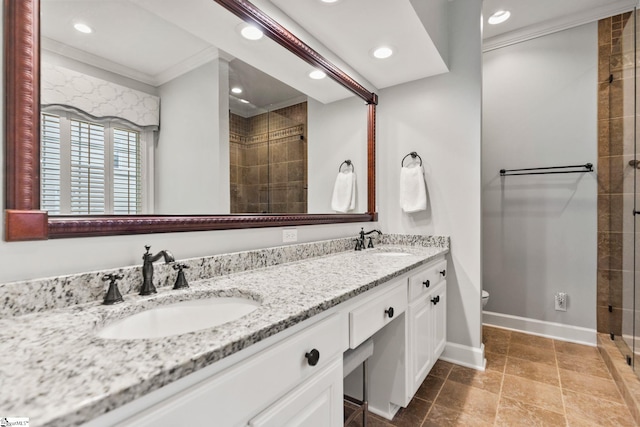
413, 155
348, 163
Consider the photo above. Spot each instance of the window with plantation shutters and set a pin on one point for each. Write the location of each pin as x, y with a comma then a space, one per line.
127, 194
50, 164
89, 167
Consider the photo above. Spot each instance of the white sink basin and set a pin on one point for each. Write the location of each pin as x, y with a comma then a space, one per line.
179, 318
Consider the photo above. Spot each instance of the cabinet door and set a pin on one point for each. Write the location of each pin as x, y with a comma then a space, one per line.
316, 403
421, 358
439, 322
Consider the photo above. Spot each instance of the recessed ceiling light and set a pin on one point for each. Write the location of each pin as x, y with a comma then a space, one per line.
317, 74
236, 90
250, 32
83, 28
499, 17
382, 52
244, 101
329, 1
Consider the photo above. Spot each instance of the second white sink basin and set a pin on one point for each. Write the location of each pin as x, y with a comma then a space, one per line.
179, 318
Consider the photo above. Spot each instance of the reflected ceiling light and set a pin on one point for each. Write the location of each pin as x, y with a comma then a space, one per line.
499, 17
382, 52
83, 28
250, 32
236, 90
317, 74
244, 101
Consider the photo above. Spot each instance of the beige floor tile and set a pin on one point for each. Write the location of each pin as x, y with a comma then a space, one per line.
583, 366
470, 400
441, 369
578, 350
594, 386
600, 411
541, 372
533, 392
495, 334
531, 340
413, 415
430, 388
515, 413
441, 416
498, 347
533, 354
495, 362
487, 380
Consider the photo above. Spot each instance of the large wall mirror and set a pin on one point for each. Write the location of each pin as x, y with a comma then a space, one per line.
174, 122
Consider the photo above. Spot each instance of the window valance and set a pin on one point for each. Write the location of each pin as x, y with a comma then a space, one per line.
97, 97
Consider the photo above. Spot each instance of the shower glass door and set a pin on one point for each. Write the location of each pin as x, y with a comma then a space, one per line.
625, 252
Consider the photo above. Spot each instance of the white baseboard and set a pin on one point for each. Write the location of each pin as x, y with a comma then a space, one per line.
557, 331
471, 357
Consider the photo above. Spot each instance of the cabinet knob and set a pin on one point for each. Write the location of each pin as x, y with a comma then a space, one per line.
443, 272
426, 283
313, 357
435, 300
389, 312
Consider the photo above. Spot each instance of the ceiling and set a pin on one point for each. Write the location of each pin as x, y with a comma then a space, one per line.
531, 18
158, 40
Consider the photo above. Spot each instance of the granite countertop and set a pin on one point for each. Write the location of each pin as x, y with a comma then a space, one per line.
56, 371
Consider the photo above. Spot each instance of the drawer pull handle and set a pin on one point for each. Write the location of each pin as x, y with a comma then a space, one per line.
389, 312
426, 283
435, 300
313, 357
443, 272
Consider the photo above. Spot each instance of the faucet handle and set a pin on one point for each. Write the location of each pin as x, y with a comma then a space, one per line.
113, 295
181, 280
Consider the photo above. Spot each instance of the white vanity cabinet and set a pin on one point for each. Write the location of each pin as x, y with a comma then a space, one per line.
426, 324
276, 387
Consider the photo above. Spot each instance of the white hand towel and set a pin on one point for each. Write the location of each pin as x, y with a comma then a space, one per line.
413, 190
344, 192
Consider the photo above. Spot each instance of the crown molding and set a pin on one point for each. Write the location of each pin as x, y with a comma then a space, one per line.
183, 67
558, 24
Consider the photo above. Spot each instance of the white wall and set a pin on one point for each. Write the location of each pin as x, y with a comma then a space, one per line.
539, 232
329, 146
439, 117
192, 154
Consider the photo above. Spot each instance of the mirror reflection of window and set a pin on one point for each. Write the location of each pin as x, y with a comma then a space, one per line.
75, 174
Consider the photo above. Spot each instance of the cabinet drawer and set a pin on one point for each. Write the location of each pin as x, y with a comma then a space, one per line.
253, 384
372, 315
424, 281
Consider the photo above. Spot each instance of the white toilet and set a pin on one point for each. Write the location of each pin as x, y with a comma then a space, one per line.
485, 298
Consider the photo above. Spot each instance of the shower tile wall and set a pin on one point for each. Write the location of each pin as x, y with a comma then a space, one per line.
616, 115
269, 161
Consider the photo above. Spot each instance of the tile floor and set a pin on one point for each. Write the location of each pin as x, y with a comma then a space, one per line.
529, 381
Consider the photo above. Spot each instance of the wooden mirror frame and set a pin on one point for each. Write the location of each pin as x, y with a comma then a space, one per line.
23, 218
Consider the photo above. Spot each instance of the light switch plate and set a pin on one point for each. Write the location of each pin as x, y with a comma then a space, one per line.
289, 235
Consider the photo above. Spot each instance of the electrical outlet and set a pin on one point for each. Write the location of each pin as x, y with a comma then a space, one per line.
561, 301
289, 235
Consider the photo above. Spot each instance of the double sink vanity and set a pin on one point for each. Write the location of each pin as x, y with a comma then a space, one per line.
257, 339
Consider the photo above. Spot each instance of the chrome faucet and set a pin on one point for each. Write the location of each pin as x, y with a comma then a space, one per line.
360, 241
147, 269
